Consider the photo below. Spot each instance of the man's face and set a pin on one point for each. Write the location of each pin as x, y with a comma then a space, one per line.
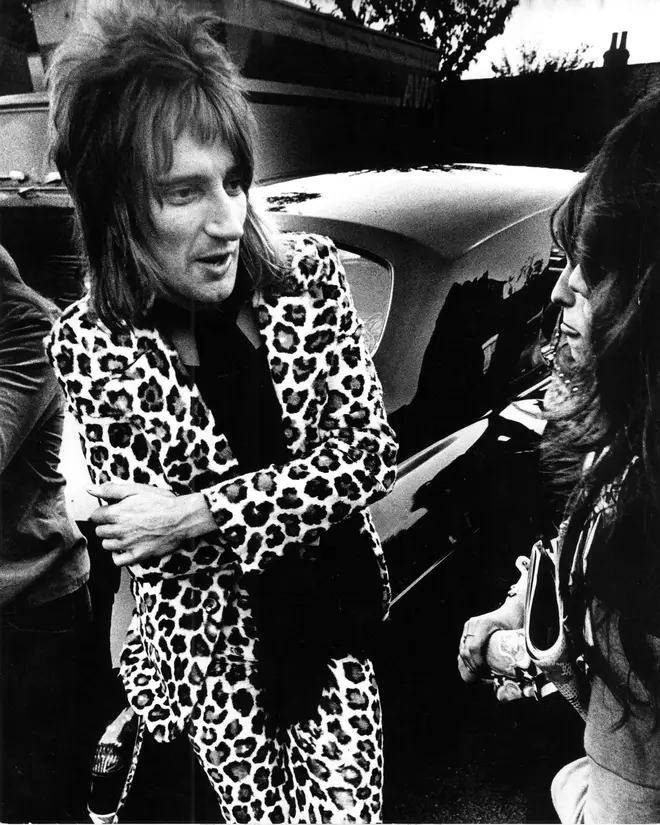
198, 210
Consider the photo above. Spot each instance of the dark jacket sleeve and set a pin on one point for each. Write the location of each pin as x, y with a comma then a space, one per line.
27, 382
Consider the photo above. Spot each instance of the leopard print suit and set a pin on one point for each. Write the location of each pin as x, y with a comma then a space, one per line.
189, 656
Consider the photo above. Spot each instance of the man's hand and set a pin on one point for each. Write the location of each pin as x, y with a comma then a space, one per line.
139, 521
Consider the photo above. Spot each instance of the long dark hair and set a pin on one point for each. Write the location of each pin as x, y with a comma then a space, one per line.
124, 86
610, 226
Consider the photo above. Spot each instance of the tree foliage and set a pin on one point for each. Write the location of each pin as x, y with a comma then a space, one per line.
458, 29
531, 61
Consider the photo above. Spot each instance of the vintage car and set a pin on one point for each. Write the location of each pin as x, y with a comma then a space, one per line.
451, 268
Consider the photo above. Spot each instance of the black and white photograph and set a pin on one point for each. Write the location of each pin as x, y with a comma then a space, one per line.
329, 411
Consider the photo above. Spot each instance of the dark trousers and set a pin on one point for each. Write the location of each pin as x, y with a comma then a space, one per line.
46, 693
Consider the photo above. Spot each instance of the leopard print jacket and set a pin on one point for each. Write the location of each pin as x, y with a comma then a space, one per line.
141, 419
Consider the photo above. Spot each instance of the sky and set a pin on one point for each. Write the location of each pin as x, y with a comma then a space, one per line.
559, 26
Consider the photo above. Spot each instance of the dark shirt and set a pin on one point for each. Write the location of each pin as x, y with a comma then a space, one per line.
42, 554
234, 379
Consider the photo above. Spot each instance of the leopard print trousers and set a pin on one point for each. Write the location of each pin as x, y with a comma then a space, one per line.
326, 769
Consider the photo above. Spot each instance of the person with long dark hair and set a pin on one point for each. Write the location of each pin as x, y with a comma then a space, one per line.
232, 421
602, 451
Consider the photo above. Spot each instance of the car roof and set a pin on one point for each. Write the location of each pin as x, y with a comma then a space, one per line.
450, 208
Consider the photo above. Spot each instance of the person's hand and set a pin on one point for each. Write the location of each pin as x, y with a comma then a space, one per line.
474, 641
478, 630
139, 521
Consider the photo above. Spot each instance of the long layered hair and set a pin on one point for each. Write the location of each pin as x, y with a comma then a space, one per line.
124, 86
610, 226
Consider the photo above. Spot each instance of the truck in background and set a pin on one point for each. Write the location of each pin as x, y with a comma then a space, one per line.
328, 94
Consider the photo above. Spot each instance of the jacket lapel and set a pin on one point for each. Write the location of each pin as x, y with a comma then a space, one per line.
151, 388
296, 374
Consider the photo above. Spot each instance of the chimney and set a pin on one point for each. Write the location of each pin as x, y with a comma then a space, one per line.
617, 55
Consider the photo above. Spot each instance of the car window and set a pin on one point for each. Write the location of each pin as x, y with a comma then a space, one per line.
371, 284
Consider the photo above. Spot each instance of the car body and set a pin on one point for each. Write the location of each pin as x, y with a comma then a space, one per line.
451, 268
459, 251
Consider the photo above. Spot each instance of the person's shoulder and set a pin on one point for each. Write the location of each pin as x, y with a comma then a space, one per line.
72, 322
8, 266
22, 310
306, 243
79, 324
310, 261
304, 250
80, 344
20, 305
